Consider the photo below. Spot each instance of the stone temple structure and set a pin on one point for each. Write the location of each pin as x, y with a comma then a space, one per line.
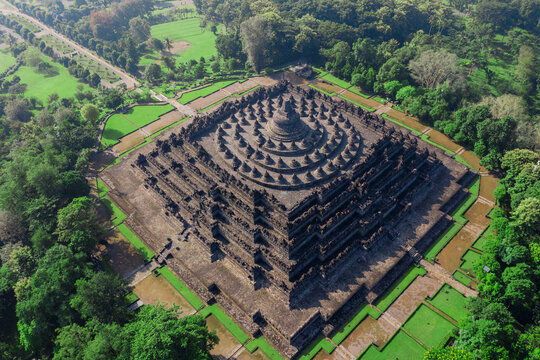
293, 209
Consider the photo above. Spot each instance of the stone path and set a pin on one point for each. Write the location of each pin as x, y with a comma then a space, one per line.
440, 273
181, 107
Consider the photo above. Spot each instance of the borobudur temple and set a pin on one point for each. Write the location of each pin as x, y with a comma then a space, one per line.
288, 208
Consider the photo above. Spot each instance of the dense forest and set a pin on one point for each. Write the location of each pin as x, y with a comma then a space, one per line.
467, 68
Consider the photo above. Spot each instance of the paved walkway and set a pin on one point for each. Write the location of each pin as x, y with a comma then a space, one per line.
443, 275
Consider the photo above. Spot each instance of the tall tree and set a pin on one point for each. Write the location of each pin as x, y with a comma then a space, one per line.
255, 34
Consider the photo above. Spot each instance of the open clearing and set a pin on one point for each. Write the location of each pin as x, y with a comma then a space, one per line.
191, 41
6, 59
41, 86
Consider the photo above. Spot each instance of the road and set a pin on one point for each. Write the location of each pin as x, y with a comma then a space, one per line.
127, 79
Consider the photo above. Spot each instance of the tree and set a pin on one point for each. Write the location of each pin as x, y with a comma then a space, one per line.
102, 297
78, 215
255, 34
432, 68
153, 73
12, 228
90, 113
527, 215
44, 306
157, 333
139, 28
17, 110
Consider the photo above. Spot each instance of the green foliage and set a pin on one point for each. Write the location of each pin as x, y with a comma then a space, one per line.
101, 297
447, 353
79, 215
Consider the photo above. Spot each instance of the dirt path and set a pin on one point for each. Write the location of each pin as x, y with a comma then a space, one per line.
126, 79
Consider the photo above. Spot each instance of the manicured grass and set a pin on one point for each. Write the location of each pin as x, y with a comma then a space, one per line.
131, 298
461, 160
117, 215
321, 72
203, 41
135, 241
334, 80
389, 118
458, 213
468, 260
191, 298
379, 99
441, 242
356, 103
102, 189
462, 278
116, 127
399, 286
474, 188
312, 350
425, 137
356, 91
480, 243
6, 59
321, 90
145, 114
401, 346
195, 94
430, 328
265, 347
356, 319
224, 319
41, 86
451, 302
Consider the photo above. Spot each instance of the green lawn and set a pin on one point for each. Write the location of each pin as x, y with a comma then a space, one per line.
181, 288
462, 278
400, 347
480, 243
203, 41
319, 344
430, 328
468, 260
460, 211
265, 347
142, 115
116, 127
451, 302
425, 137
399, 286
334, 80
102, 189
356, 91
41, 86
6, 59
204, 91
441, 242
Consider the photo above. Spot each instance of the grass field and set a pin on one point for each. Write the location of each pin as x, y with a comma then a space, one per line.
189, 96
451, 302
41, 86
430, 328
117, 215
401, 346
6, 59
458, 213
462, 278
116, 127
145, 114
319, 344
203, 41
468, 260
334, 80
399, 286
